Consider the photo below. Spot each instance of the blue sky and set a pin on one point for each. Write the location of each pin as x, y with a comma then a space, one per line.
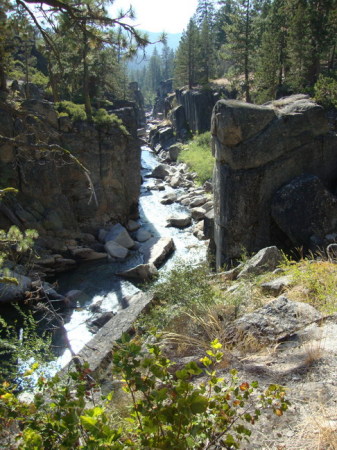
171, 16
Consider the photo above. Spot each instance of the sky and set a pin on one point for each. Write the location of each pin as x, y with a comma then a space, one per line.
171, 16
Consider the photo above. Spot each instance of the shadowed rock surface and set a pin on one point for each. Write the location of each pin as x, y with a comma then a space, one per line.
54, 196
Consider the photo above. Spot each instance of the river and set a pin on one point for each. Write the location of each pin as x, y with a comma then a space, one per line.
99, 282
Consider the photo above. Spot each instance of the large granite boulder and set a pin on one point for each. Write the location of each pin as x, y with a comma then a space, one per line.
305, 211
259, 149
266, 260
276, 320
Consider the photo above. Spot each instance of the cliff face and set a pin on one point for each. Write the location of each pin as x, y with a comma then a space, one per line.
198, 105
258, 150
54, 194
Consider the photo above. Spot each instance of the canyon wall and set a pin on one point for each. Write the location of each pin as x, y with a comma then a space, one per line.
263, 153
55, 196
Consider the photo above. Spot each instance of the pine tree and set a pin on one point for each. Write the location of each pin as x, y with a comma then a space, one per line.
167, 59
187, 61
205, 17
240, 45
272, 53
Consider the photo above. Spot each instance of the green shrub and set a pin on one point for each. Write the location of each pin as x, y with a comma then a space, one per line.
185, 289
197, 155
75, 111
103, 118
168, 409
326, 91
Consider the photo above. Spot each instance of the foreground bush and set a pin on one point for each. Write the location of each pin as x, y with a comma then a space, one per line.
168, 409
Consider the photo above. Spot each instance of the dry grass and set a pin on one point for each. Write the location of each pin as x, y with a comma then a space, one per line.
313, 352
319, 430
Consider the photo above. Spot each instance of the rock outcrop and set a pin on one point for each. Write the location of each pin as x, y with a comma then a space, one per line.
259, 149
55, 195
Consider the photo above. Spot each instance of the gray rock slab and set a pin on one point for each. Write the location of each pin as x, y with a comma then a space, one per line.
277, 286
198, 213
156, 250
279, 318
266, 260
198, 201
98, 352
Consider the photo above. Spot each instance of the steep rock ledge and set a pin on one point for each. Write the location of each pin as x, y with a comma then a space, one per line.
259, 149
54, 195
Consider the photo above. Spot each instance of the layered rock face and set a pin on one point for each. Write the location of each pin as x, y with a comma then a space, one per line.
55, 196
198, 105
258, 150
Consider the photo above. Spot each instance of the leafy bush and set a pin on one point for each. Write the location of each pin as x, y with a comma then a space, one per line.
326, 91
75, 111
168, 408
197, 155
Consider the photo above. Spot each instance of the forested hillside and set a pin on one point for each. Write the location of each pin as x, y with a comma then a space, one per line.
264, 49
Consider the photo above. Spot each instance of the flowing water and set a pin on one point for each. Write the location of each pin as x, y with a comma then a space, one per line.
99, 282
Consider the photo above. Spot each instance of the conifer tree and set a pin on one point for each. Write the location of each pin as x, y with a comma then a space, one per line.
240, 45
205, 17
187, 61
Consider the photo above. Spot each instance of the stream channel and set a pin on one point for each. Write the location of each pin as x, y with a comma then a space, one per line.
98, 281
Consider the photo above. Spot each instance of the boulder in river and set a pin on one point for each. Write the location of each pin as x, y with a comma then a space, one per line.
118, 234
141, 273
115, 250
168, 199
132, 225
179, 221
143, 235
198, 201
156, 250
161, 171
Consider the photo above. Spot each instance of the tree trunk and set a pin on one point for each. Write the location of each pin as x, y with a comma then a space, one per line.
86, 95
246, 61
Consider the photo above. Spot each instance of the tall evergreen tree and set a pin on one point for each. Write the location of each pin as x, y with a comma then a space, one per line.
205, 17
187, 61
272, 53
240, 46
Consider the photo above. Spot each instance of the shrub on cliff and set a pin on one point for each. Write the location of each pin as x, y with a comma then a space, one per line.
73, 110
